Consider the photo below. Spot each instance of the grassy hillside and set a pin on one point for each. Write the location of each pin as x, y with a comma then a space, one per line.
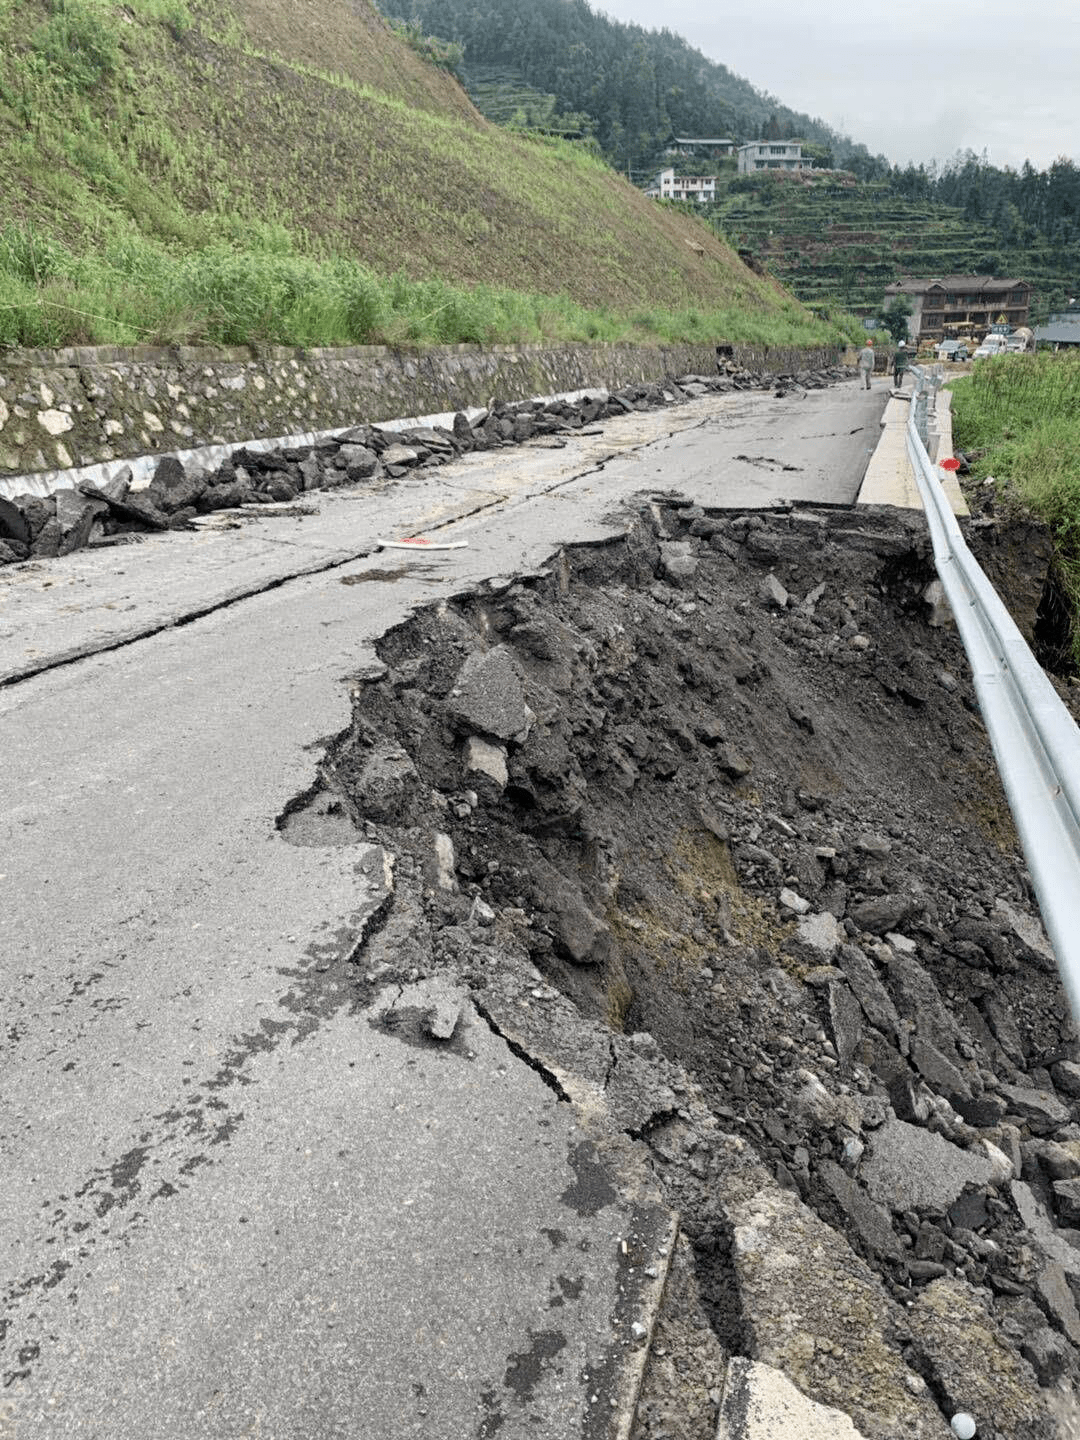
290, 170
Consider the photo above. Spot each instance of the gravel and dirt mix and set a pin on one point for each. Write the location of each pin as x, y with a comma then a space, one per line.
706, 820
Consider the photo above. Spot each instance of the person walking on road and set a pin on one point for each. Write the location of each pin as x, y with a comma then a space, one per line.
901, 361
866, 362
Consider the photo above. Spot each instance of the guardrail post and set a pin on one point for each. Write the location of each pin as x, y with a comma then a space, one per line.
927, 384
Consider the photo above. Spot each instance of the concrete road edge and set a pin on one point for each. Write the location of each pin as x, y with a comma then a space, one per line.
889, 478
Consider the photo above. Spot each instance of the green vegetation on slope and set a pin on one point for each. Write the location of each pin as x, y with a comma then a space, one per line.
834, 240
1023, 413
173, 170
132, 291
560, 66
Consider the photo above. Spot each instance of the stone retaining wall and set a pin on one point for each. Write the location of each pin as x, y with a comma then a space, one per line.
61, 408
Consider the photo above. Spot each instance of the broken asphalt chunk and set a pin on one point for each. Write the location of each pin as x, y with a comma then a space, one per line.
488, 695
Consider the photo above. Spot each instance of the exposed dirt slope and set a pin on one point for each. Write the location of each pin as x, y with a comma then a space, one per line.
350, 38
724, 854
196, 123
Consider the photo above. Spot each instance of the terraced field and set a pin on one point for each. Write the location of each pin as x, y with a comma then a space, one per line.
832, 241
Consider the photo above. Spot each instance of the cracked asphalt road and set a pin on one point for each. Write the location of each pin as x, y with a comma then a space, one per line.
230, 1206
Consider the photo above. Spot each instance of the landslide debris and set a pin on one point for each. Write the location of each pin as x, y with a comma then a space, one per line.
706, 820
100, 512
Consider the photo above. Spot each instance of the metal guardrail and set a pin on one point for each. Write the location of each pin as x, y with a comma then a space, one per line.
1036, 743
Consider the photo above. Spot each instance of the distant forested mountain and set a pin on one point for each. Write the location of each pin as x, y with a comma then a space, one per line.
630, 88
1023, 206
559, 65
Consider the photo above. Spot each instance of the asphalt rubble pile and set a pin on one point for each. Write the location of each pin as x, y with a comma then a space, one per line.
93, 514
704, 822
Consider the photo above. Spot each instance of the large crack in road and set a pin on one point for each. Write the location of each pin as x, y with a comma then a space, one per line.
264, 1085
731, 868
180, 577
196, 611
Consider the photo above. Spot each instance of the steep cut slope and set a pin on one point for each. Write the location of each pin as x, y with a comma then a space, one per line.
166, 128
349, 38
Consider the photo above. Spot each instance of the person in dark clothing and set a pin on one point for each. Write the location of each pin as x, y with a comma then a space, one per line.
901, 361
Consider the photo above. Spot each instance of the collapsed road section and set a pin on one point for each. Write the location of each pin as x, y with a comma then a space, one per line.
705, 821
229, 1202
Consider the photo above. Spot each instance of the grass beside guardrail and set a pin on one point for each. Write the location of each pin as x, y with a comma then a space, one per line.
1022, 412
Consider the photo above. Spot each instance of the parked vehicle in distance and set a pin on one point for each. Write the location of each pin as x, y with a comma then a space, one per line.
1016, 342
991, 345
952, 350
1020, 340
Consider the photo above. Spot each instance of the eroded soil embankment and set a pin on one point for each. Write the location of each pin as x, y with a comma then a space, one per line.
706, 820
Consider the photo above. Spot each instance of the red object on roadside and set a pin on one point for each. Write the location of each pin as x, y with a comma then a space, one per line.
952, 464
418, 542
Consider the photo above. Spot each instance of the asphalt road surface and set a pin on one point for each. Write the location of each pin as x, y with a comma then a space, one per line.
231, 1206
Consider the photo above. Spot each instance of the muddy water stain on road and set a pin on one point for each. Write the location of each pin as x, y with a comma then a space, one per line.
389, 575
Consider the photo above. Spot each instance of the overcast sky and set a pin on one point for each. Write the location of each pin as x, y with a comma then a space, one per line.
912, 81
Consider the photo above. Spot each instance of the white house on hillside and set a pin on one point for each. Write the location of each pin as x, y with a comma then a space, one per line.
669, 186
772, 155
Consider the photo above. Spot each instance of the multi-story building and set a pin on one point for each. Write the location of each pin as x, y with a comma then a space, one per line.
772, 155
707, 149
669, 186
953, 304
